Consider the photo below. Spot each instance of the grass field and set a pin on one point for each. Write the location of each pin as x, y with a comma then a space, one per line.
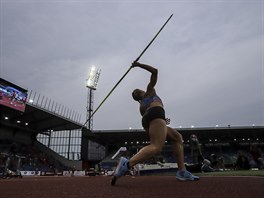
234, 173
259, 173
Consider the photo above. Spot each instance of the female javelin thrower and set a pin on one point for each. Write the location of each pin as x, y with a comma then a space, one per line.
154, 122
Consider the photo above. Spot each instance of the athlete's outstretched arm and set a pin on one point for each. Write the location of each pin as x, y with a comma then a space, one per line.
152, 70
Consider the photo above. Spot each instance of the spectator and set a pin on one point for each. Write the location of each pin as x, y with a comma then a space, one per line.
221, 164
213, 159
256, 156
196, 152
207, 166
242, 162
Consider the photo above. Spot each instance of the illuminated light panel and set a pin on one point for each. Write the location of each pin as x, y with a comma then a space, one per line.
93, 77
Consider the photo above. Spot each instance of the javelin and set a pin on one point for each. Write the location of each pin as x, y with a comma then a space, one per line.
128, 70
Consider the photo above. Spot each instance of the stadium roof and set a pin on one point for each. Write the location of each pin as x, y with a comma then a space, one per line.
32, 117
35, 119
206, 135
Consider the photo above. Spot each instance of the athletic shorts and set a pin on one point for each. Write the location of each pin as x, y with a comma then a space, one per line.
151, 114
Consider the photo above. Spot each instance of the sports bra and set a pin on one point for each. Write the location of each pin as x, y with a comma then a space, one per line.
145, 102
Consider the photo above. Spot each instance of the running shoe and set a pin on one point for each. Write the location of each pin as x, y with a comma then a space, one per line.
120, 170
184, 175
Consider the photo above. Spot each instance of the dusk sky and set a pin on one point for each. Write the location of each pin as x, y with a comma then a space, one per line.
209, 57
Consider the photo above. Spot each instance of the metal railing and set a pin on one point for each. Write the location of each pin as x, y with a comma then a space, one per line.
40, 101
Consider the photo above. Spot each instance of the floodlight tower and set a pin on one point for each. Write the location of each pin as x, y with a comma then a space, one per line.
91, 84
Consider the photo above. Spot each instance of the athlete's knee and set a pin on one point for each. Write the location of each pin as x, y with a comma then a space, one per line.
156, 149
173, 133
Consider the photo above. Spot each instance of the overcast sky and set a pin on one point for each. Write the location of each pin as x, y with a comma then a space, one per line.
209, 56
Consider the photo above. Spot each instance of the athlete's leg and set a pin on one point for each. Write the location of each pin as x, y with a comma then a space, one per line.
157, 134
177, 144
176, 138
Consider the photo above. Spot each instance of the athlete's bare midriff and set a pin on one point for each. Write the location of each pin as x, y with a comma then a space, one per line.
153, 104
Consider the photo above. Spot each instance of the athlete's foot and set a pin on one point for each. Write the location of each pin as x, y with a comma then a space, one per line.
184, 175
120, 170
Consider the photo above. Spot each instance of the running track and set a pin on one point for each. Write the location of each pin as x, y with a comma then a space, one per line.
136, 187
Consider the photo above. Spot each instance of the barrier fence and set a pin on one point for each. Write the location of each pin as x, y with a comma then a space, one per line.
43, 102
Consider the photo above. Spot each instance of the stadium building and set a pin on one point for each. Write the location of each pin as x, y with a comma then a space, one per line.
43, 136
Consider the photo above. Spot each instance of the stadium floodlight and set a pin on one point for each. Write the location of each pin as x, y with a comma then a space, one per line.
93, 78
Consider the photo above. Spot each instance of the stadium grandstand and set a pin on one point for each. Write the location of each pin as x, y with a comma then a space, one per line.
40, 136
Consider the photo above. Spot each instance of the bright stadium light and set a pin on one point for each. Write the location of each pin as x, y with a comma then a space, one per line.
91, 84
93, 77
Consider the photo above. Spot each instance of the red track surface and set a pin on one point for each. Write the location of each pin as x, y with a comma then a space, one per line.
141, 186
